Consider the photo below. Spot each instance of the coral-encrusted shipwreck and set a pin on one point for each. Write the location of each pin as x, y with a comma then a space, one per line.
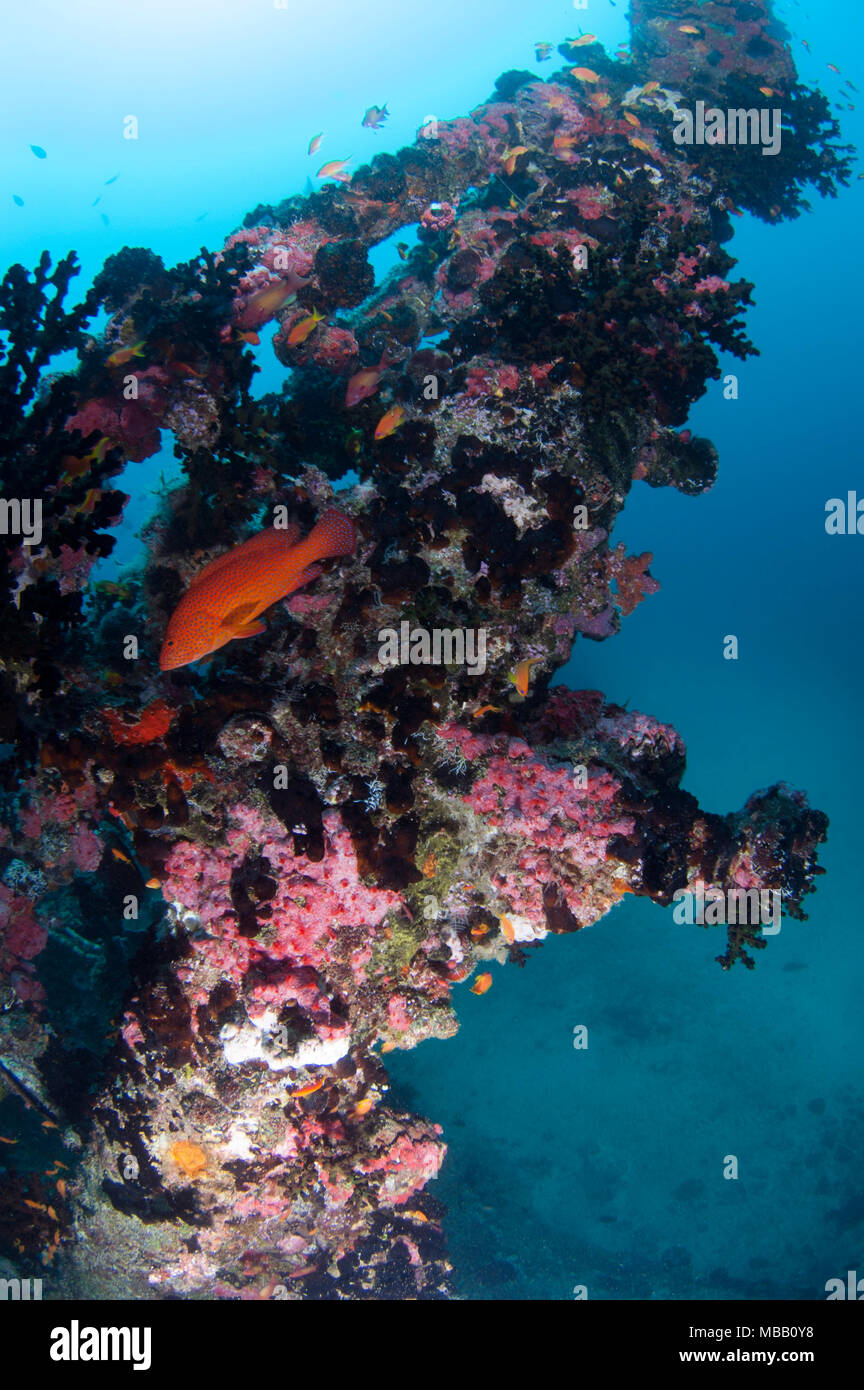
256, 876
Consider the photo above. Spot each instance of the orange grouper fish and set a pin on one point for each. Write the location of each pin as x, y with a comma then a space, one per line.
226, 597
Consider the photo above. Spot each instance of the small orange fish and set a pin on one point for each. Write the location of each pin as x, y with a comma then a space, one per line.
580, 43
833, 68
520, 676
335, 169
555, 101
480, 931
266, 303
300, 332
226, 597
309, 1089
77, 467
585, 74
315, 143
634, 120
4, 1140
49, 1124
125, 354
486, 709
649, 88
482, 983
91, 497
61, 1186
251, 338
599, 100
363, 1107
35, 1206
118, 854
689, 29
767, 91
507, 930
365, 382
565, 142
639, 144
389, 422
417, 1215
508, 159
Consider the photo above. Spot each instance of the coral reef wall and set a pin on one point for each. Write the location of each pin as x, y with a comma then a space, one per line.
257, 875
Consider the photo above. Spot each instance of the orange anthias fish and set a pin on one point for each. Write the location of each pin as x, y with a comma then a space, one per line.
264, 304
580, 43
300, 332
482, 983
225, 599
335, 170
585, 74
365, 383
520, 676
508, 159
125, 354
77, 467
309, 1089
389, 422
315, 143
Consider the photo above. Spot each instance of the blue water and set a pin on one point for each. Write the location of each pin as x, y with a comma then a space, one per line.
601, 1168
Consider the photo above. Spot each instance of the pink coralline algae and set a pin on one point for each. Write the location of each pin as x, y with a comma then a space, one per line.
640, 735
591, 202
58, 829
21, 940
711, 284
311, 904
437, 217
632, 581
134, 424
557, 820
406, 1161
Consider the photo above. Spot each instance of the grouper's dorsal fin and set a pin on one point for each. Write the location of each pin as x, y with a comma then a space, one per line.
272, 540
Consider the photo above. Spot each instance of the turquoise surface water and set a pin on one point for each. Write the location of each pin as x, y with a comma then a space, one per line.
601, 1168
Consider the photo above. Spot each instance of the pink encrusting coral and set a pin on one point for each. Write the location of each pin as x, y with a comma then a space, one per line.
550, 825
313, 901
